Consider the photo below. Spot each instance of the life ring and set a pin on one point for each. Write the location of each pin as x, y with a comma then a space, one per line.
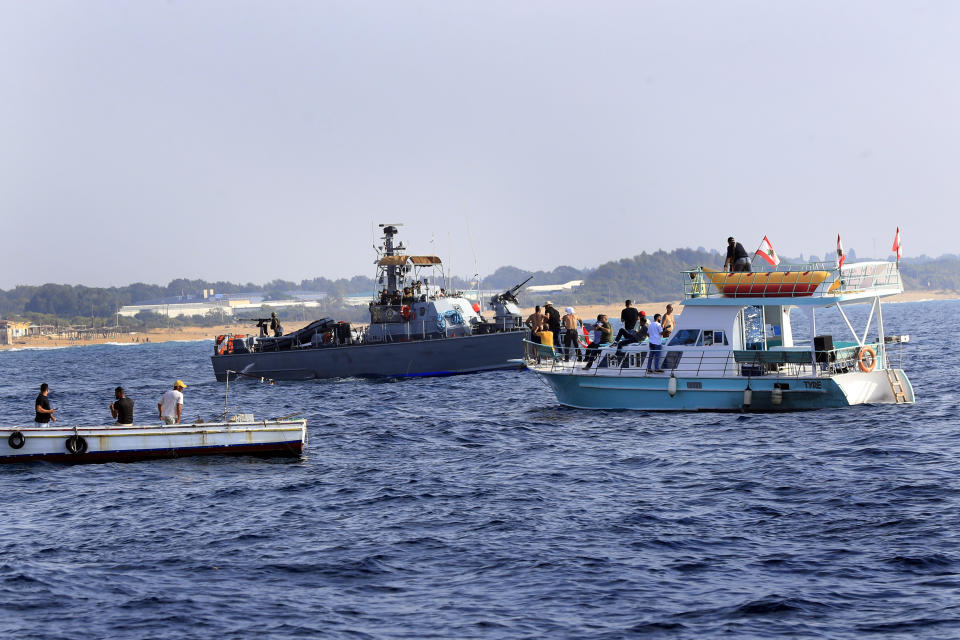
405, 312
16, 440
76, 445
866, 359
230, 346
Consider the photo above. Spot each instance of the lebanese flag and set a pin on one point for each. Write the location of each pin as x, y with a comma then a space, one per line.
896, 245
767, 253
840, 256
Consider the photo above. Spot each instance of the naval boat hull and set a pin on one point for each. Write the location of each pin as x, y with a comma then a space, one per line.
414, 358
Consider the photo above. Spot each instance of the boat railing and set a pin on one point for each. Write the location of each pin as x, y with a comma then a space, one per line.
795, 363
813, 279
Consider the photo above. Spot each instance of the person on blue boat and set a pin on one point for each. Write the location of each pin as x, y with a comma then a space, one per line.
122, 407
553, 321
602, 336
737, 257
44, 414
656, 343
571, 336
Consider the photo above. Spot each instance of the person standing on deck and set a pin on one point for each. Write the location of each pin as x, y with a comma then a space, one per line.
171, 404
536, 320
571, 337
737, 257
122, 407
667, 322
275, 325
656, 342
44, 414
553, 321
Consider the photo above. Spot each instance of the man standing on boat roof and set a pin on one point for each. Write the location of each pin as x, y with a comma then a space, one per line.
122, 408
171, 404
42, 406
737, 257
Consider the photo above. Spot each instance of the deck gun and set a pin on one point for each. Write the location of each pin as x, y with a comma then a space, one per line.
506, 312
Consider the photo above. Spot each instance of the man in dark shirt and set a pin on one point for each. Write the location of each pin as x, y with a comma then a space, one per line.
737, 258
122, 407
42, 406
553, 322
275, 325
628, 317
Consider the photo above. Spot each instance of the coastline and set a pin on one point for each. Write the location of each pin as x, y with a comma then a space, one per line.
586, 312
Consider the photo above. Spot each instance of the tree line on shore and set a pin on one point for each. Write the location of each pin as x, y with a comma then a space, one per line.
648, 276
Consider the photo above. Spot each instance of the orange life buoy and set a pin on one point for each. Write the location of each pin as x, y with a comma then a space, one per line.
405, 312
866, 359
230, 345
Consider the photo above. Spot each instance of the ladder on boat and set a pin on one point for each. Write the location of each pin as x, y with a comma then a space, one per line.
896, 385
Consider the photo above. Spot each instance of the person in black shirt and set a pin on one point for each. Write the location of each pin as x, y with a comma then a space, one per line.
122, 408
628, 317
44, 413
737, 258
553, 322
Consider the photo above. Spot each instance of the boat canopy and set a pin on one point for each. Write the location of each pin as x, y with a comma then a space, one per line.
400, 260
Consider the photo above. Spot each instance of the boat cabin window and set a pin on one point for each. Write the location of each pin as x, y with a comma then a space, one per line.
710, 338
685, 337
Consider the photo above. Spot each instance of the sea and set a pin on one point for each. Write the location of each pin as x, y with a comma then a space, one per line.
477, 507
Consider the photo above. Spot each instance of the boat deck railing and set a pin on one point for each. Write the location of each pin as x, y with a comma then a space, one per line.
722, 364
796, 280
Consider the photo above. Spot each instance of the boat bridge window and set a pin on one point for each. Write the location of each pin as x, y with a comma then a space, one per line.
685, 337
710, 338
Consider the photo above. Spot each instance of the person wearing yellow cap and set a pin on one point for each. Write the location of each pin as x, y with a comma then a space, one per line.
171, 403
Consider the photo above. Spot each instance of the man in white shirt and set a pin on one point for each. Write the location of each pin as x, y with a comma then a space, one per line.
171, 404
656, 342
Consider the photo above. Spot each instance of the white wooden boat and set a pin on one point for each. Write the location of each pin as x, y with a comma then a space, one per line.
113, 443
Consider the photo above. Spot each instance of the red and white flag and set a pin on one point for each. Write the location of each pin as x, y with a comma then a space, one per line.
840, 256
767, 253
896, 245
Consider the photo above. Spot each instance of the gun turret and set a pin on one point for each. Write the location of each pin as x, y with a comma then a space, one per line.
510, 295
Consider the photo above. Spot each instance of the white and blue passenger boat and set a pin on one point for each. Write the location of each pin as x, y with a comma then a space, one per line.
734, 350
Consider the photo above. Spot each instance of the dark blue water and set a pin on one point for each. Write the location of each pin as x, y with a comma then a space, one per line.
474, 506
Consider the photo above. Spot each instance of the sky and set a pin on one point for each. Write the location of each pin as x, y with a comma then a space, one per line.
249, 141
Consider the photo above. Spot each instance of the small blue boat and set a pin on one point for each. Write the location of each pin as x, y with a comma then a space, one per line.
733, 348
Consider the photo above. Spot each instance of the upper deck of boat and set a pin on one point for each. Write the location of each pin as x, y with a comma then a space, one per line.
811, 284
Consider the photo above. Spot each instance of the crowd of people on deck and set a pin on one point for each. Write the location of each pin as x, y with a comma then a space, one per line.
169, 408
567, 335
546, 324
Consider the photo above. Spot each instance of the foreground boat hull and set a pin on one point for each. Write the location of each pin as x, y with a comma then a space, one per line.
446, 356
129, 443
651, 393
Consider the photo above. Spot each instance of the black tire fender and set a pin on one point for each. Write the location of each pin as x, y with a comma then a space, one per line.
76, 445
16, 440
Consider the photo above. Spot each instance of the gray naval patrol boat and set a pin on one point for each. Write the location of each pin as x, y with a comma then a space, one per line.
416, 329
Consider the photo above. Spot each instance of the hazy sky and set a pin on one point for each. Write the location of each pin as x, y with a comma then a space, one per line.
247, 141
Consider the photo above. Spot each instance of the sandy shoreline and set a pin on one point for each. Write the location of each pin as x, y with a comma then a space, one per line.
587, 312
